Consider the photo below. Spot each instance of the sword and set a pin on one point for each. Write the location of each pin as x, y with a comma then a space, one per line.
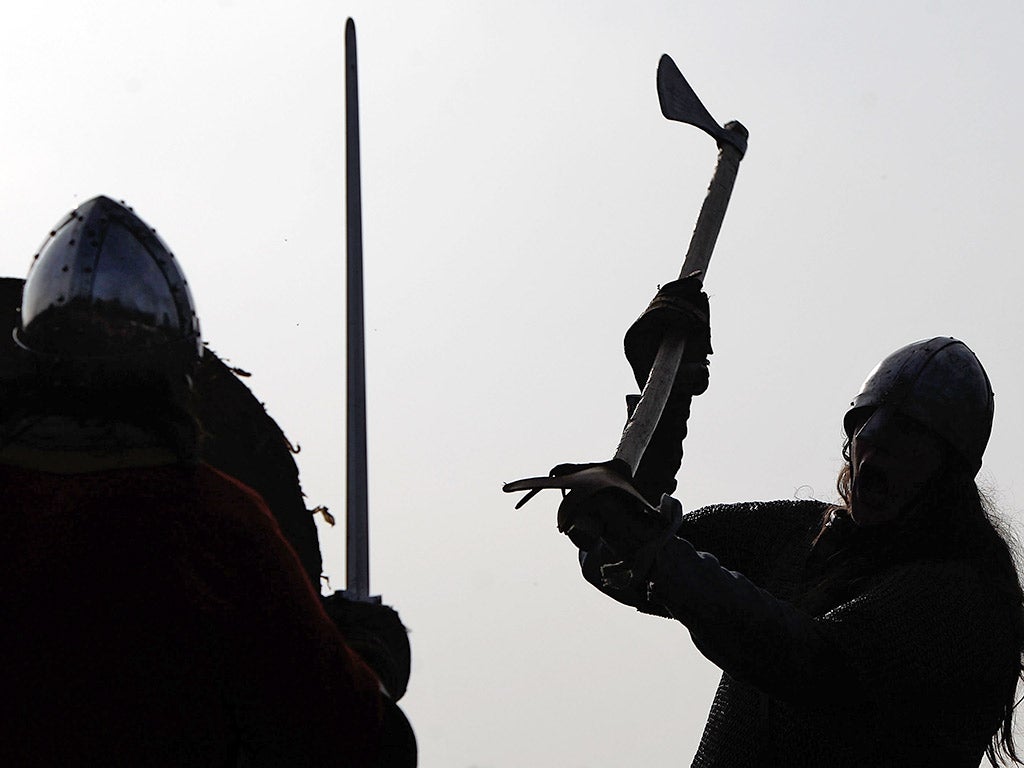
357, 532
678, 102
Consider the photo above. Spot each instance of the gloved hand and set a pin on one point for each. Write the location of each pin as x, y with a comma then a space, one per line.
605, 514
376, 633
593, 564
617, 534
397, 742
681, 307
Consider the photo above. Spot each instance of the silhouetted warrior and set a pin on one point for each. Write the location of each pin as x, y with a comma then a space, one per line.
883, 631
152, 612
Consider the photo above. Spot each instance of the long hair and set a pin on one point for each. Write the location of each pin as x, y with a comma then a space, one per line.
953, 520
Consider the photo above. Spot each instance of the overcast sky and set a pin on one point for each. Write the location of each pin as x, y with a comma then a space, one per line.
523, 198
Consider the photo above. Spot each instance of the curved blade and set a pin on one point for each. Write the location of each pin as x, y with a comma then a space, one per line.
679, 102
587, 480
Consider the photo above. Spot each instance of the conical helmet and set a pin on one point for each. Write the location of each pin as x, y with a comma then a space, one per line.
939, 383
104, 285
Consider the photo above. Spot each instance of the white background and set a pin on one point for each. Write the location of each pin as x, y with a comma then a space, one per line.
523, 197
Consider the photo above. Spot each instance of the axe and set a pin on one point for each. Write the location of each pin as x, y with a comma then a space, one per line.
680, 103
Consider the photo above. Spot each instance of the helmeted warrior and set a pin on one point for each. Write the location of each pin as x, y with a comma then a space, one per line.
155, 609
886, 630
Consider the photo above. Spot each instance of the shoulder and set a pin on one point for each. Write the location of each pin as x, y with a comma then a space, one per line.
788, 512
230, 504
236, 529
214, 481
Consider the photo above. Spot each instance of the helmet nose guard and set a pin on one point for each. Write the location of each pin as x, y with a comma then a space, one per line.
105, 285
941, 384
873, 428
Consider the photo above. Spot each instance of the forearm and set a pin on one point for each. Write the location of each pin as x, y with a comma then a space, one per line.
679, 309
634, 596
664, 455
747, 632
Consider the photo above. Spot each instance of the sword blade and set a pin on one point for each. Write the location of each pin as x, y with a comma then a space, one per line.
679, 102
357, 561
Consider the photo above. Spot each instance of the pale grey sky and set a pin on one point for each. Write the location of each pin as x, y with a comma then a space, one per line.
523, 197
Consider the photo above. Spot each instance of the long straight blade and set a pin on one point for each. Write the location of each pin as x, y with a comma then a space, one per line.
357, 559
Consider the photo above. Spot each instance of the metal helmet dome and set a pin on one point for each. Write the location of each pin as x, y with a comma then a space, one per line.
939, 383
104, 285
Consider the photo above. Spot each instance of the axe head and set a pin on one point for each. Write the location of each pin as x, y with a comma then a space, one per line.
679, 102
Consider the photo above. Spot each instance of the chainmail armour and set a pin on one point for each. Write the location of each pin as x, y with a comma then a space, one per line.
830, 657
917, 658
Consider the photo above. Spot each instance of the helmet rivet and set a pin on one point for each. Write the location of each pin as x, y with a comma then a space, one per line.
130, 314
